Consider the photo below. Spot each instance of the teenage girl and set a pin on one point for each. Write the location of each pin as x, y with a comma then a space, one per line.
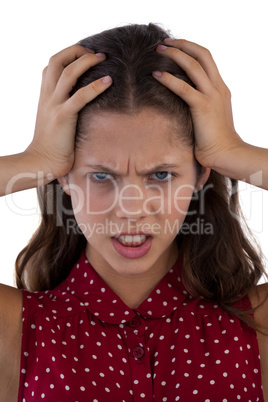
139, 283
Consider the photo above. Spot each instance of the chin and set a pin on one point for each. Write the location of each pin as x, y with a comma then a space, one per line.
133, 267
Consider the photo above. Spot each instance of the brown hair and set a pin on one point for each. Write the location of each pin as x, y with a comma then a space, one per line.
221, 266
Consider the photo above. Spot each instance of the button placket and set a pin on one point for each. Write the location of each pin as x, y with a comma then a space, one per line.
134, 333
138, 352
139, 359
134, 322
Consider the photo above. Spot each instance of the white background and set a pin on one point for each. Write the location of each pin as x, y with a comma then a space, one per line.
235, 31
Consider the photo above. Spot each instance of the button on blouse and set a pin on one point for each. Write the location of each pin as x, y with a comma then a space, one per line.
134, 322
81, 343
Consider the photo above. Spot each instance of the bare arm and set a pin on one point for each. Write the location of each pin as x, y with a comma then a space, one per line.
10, 341
218, 146
259, 296
21, 172
51, 152
247, 163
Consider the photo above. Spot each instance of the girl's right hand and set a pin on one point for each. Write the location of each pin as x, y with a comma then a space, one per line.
53, 142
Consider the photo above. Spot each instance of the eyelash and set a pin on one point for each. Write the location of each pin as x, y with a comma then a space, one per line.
107, 180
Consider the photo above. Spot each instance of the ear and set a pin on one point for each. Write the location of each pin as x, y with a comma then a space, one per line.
202, 178
63, 181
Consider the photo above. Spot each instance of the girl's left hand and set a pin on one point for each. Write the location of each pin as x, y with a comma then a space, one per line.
209, 102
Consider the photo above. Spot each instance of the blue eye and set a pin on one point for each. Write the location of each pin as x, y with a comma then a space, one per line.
162, 176
101, 177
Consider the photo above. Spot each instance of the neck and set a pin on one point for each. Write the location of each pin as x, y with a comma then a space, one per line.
134, 289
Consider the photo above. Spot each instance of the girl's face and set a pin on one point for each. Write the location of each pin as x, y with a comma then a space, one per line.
131, 185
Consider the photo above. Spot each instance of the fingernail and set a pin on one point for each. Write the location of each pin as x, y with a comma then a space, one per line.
157, 73
107, 79
89, 50
100, 55
168, 40
161, 47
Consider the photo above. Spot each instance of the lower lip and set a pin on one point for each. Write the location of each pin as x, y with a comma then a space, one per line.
132, 252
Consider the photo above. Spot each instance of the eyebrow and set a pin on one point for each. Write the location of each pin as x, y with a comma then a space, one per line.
162, 167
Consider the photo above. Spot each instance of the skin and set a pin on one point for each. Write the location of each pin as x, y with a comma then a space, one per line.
123, 143
52, 151
218, 145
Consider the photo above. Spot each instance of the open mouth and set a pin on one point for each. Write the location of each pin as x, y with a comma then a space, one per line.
132, 241
132, 246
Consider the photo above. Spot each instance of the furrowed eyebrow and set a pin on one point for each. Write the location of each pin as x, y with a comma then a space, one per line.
102, 168
162, 167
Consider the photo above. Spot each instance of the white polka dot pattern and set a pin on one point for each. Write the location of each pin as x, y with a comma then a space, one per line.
82, 343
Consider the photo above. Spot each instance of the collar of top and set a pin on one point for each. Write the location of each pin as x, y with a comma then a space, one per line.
94, 294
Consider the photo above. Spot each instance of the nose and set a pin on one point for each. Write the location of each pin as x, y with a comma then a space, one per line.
130, 203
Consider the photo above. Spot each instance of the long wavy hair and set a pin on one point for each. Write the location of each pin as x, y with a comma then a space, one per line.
222, 265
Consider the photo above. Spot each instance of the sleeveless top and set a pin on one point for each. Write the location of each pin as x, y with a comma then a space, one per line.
81, 343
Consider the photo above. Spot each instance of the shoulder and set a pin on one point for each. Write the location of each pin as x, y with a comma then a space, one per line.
259, 298
10, 307
10, 314
10, 338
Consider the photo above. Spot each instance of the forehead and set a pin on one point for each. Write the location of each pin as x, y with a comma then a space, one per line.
148, 122
145, 136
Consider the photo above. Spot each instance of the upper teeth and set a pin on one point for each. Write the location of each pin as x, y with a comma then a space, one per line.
128, 239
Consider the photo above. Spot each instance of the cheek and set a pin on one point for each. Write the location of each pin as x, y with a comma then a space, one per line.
100, 204
90, 200
182, 198
173, 219
178, 197
91, 207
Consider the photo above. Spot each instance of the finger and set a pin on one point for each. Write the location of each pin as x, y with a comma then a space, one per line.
191, 66
86, 94
185, 91
72, 72
199, 53
59, 61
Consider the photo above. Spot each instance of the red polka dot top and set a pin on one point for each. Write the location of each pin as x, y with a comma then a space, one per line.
81, 343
